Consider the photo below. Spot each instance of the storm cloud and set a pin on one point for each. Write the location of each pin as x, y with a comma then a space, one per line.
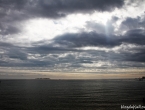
101, 40
59, 8
13, 11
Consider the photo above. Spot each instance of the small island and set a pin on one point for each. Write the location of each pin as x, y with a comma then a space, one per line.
140, 79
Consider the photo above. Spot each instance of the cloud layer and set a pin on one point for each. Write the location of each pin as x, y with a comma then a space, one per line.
105, 39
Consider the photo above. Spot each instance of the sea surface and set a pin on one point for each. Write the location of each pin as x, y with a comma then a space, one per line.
70, 94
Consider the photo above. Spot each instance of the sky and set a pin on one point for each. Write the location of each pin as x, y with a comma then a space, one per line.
72, 39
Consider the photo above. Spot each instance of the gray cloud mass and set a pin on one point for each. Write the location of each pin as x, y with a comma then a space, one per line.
66, 51
12, 11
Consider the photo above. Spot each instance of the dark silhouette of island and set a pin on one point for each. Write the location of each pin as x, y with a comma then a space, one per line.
140, 79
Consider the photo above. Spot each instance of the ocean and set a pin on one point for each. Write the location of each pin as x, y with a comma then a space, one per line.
100, 94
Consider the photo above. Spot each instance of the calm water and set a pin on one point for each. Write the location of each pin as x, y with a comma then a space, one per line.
70, 94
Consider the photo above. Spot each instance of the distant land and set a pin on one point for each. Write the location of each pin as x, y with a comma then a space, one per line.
140, 79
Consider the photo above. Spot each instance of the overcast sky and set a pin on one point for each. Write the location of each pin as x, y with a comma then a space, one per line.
72, 36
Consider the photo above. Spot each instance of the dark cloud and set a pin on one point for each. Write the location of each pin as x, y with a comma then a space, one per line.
5, 44
38, 56
13, 11
86, 39
63, 59
16, 54
58, 8
11, 54
100, 40
14, 4
61, 7
5, 30
46, 49
133, 23
117, 59
137, 57
136, 36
